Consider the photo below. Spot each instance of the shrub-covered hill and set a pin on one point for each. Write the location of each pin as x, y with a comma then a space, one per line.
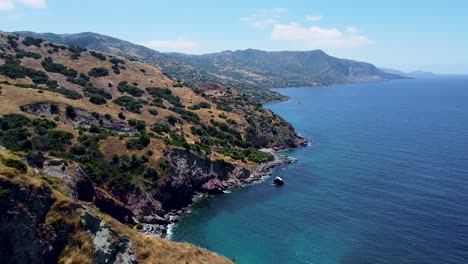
252, 71
122, 136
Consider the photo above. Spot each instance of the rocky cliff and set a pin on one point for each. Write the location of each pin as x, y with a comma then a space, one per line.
41, 223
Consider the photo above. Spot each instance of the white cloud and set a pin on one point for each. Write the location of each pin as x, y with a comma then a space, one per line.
261, 18
314, 18
171, 45
6, 5
317, 37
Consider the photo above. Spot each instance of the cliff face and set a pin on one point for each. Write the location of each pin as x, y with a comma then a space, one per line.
190, 173
25, 236
41, 223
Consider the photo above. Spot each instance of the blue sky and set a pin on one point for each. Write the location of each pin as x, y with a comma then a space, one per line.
407, 35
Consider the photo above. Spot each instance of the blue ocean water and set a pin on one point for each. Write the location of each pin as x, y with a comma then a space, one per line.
384, 181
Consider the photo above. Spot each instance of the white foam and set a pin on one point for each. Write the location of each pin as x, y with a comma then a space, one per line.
169, 231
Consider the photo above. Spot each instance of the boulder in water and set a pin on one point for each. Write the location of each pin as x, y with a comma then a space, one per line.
278, 181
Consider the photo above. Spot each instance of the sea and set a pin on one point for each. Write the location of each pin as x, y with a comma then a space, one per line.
383, 180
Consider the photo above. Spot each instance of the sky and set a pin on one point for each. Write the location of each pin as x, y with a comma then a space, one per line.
408, 35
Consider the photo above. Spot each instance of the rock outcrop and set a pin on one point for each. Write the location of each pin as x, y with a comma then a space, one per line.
83, 118
190, 173
25, 235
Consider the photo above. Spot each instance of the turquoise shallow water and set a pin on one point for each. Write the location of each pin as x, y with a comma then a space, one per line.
385, 181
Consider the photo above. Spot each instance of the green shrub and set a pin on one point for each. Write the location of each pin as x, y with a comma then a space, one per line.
76, 51
53, 140
200, 105
90, 91
29, 54
187, 115
163, 163
161, 128
36, 159
165, 94
98, 55
94, 129
130, 103
124, 87
10, 121
16, 164
172, 120
97, 99
153, 112
121, 116
54, 109
50, 66
115, 64
28, 41
98, 72
70, 112
151, 173
70, 94
138, 124
13, 70
231, 121
82, 80
139, 143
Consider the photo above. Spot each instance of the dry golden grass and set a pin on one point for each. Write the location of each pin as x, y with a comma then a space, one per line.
79, 251
152, 250
113, 145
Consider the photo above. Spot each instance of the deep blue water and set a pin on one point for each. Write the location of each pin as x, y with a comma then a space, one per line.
384, 181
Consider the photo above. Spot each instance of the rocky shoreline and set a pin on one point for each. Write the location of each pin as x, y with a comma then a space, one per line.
260, 173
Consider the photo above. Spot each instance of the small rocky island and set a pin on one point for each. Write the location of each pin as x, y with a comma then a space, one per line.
278, 181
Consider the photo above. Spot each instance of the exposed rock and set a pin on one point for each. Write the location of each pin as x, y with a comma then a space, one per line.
213, 186
278, 181
56, 168
119, 252
154, 219
84, 189
190, 173
123, 205
39, 109
141, 202
114, 208
24, 236
83, 118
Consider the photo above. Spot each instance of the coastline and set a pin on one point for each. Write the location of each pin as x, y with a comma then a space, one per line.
259, 174
262, 172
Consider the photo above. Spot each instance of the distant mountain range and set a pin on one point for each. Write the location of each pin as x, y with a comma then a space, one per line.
252, 71
413, 74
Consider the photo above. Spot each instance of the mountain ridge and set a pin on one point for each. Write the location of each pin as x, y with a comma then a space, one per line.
251, 71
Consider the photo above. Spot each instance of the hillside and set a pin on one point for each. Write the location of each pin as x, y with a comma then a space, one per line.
251, 71
285, 68
172, 66
123, 141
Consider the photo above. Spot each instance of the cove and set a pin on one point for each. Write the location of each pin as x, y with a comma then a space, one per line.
385, 180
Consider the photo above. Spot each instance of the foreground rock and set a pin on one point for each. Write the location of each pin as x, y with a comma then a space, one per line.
278, 181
